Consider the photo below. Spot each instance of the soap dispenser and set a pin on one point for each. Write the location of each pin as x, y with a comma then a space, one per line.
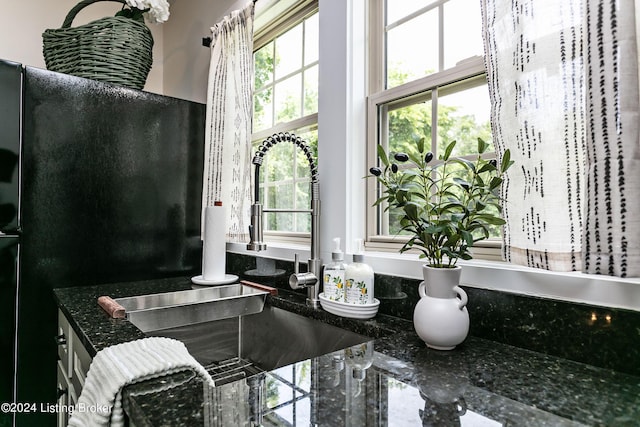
359, 278
333, 277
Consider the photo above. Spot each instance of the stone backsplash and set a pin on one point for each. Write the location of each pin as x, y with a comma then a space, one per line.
604, 337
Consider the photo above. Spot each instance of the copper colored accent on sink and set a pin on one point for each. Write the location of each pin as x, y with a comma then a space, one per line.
272, 291
112, 308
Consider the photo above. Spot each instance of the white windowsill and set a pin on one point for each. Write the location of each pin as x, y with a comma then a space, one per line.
575, 287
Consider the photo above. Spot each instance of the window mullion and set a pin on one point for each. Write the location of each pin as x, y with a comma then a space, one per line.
462, 71
273, 91
377, 77
441, 37
415, 14
295, 186
384, 141
302, 68
306, 121
293, 73
434, 120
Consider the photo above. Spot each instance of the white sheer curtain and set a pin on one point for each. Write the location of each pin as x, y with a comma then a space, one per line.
227, 164
611, 235
563, 81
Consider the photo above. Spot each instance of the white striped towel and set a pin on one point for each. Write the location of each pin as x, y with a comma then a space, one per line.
100, 402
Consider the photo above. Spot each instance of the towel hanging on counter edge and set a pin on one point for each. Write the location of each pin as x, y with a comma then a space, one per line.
123, 364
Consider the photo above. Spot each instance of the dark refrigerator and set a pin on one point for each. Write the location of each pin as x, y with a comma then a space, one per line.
98, 184
10, 98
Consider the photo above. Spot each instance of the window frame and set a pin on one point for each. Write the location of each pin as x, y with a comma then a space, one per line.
343, 127
266, 32
379, 96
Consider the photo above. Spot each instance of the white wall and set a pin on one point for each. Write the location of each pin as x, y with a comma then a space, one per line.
342, 121
22, 23
180, 62
186, 61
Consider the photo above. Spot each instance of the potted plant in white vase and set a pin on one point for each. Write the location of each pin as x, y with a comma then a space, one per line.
445, 206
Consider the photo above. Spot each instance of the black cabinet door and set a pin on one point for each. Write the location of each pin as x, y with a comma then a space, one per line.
10, 93
8, 289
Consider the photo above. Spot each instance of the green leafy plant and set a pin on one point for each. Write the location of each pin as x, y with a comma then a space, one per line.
447, 205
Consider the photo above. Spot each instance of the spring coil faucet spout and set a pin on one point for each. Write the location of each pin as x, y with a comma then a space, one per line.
297, 280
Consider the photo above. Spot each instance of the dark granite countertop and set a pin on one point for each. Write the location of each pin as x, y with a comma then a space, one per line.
391, 380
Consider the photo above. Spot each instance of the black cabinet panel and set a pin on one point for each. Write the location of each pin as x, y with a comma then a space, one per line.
112, 180
10, 94
111, 190
8, 287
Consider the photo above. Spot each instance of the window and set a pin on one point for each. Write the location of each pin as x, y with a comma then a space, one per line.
433, 89
286, 100
287, 392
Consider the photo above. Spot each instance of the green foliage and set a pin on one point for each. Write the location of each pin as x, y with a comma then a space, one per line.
414, 121
264, 63
447, 205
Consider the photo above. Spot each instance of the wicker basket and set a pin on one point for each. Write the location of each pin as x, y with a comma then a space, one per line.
114, 49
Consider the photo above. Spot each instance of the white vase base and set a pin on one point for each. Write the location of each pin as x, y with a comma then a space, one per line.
439, 347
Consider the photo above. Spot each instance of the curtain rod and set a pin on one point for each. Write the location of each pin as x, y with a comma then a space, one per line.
206, 41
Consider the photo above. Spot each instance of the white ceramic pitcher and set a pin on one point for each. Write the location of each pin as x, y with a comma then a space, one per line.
441, 318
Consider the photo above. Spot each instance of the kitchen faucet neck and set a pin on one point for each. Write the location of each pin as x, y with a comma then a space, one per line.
309, 280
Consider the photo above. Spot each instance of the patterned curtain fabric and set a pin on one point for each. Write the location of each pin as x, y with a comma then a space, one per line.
563, 82
227, 164
611, 233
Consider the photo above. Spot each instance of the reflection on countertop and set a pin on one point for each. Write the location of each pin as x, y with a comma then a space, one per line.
391, 380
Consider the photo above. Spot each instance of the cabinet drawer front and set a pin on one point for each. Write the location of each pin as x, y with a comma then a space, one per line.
65, 386
74, 358
81, 362
64, 342
79, 374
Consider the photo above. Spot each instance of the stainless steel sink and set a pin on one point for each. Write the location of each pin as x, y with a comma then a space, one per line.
173, 309
260, 342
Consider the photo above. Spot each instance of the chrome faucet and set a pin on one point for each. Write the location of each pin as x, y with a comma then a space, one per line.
297, 280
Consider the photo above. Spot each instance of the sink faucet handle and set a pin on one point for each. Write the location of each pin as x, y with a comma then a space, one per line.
301, 280
255, 229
